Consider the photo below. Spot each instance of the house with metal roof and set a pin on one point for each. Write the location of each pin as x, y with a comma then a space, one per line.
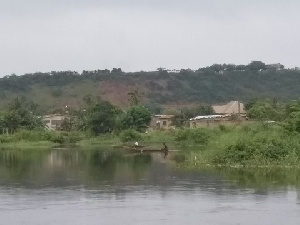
233, 107
231, 113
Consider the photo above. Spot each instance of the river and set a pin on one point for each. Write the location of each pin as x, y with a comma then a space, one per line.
99, 186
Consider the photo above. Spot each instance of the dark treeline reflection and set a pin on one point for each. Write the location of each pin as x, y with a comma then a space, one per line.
70, 167
101, 168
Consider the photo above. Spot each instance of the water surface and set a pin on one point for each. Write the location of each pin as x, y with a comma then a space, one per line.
112, 187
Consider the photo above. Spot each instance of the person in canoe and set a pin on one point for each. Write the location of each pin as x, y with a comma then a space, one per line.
136, 145
165, 149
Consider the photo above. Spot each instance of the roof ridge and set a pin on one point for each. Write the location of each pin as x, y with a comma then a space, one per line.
230, 106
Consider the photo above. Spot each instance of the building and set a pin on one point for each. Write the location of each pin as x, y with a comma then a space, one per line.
162, 122
54, 121
232, 113
233, 107
207, 120
275, 66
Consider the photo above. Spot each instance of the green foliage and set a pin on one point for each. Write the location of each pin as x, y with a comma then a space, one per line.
99, 117
56, 92
293, 116
245, 150
42, 135
130, 135
193, 136
257, 65
265, 109
271, 109
253, 145
157, 136
57, 138
213, 84
136, 117
185, 114
135, 97
174, 85
20, 114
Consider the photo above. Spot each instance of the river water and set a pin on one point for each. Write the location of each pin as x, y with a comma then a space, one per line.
101, 186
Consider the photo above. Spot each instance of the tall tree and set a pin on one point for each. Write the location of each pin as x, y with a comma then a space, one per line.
185, 114
265, 109
135, 97
257, 65
21, 113
293, 115
137, 118
98, 117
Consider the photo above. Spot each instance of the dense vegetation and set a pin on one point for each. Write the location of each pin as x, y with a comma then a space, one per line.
213, 84
272, 139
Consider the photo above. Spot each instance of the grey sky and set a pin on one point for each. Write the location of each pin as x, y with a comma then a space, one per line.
46, 35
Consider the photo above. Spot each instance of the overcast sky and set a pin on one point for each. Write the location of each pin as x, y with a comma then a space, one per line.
55, 35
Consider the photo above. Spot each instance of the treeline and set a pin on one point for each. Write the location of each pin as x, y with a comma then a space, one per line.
20, 120
273, 138
218, 83
96, 116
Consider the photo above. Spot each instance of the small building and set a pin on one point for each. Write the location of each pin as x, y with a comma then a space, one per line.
275, 66
162, 122
232, 113
208, 120
233, 107
54, 121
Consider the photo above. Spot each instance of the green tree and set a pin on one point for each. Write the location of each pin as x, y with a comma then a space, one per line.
185, 114
135, 97
10, 120
216, 67
257, 65
293, 116
98, 117
265, 109
21, 113
137, 118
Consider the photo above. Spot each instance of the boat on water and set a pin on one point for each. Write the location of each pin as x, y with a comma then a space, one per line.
137, 147
140, 148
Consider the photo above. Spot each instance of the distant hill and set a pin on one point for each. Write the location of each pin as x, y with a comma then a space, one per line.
207, 85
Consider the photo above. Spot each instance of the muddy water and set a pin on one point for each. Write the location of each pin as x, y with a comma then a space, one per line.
73, 187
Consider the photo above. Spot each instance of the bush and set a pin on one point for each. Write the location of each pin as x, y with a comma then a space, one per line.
198, 136
33, 135
257, 145
130, 135
57, 138
42, 135
74, 137
6, 139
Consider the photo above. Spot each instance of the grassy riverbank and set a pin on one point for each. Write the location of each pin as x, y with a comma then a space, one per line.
41, 139
260, 144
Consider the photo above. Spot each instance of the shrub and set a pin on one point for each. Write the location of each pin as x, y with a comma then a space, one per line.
6, 139
130, 135
198, 136
257, 145
74, 137
57, 138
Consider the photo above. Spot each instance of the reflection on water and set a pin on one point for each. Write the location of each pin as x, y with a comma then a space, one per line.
111, 187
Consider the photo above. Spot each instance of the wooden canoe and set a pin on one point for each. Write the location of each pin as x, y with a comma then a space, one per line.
139, 147
147, 150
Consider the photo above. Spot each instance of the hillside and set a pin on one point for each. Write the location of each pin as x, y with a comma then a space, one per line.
57, 89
